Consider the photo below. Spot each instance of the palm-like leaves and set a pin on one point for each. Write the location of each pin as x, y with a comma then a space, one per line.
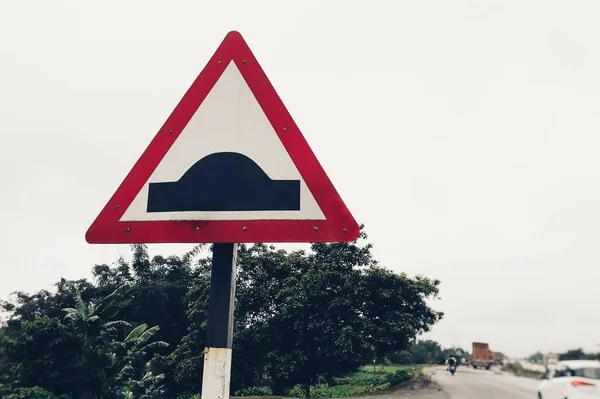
93, 325
136, 332
110, 305
146, 335
117, 323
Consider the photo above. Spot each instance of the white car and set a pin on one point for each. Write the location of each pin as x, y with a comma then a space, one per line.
573, 379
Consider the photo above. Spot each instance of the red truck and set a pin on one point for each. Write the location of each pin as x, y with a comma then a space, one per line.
482, 356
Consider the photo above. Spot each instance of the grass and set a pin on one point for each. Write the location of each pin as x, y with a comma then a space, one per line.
392, 368
364, 382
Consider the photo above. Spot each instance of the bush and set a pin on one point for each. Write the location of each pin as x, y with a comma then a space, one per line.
296, 392
188, 395
30, 393
399, 377
254, 391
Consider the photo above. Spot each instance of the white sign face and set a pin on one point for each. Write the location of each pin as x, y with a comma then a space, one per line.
229, 165
229, 121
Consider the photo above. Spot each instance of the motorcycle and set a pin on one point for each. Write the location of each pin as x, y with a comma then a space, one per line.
452, 369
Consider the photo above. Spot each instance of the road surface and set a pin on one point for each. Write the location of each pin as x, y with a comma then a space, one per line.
468, 383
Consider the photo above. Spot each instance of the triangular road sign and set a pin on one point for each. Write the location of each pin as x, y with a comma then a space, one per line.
228, 165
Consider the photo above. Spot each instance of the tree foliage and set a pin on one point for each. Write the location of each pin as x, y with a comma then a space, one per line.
80, 355
571, 354
425, 352
578, 354
537, 357
301, 317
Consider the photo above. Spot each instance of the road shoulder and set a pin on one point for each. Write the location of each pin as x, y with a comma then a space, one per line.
423, 386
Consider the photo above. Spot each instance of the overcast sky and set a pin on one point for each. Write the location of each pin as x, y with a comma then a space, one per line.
464, 134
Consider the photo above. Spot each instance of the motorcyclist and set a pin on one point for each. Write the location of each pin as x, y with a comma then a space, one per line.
451, 362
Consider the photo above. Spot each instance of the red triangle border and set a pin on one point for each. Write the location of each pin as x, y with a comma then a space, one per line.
339, 225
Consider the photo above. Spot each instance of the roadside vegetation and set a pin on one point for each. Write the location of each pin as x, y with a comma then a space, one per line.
303, 319
538, 358
424, 352
363, 382
572, 354
520, 371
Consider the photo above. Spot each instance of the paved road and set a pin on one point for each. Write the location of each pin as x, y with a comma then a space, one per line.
468, 383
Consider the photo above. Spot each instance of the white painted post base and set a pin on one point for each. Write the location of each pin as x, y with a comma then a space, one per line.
217, 373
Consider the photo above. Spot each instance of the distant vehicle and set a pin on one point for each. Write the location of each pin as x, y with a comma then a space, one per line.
572, 379
452, 369
498, 358
452, 363
482, 356
550, 359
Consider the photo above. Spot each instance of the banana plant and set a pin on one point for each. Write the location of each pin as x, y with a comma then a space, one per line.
129, 356
120, 366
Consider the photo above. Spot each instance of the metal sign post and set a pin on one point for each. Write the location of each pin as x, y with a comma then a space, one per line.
219, 332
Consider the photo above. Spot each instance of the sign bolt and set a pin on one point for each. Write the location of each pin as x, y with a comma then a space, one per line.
244, 228
117, 206
315, 228
197, 228
285, 129
345, 230
128, 229
219, 62
244, 61
170, 131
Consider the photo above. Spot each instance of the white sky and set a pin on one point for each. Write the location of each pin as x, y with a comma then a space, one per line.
464, 134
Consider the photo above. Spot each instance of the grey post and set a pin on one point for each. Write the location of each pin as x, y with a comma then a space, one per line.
217, 356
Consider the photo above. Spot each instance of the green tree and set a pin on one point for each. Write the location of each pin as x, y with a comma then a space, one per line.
39, 354
134, 378
300, 317
426, 351
82, 357
537, 357
395, 307
185, 365
577, 354
162, 284
303, 317
401, 357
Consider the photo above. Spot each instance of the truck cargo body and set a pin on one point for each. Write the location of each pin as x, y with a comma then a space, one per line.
482, 356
